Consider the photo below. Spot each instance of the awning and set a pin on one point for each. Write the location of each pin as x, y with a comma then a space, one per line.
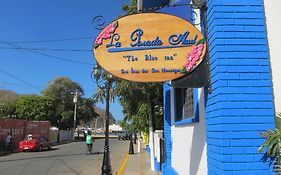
198, 78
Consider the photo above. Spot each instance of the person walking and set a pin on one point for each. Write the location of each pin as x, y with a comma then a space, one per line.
8, 142
29, 136
89, 143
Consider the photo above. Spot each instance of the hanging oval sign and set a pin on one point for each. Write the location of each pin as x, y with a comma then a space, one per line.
149, 47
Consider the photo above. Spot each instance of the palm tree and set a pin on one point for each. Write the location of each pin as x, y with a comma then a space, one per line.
99, 95
273, 145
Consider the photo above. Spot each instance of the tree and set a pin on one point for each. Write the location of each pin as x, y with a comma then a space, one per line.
56, 105
140, 100
86, 110
148, 101
130, 8
35, 107
273, 145
100, 94
8, 109
123, 124
60, 90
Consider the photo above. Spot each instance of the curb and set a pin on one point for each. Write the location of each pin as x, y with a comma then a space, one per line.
4, 153
123, 165
61, 143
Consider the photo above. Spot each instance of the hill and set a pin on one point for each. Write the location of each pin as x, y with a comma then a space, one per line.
100, 121
6, 96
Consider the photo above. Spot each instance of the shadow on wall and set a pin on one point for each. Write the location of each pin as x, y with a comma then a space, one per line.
198, 142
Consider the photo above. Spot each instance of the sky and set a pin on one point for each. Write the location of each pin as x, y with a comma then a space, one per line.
41, 40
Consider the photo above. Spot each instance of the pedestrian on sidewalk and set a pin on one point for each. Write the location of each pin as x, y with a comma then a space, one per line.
29, 136
8, 141
89, 143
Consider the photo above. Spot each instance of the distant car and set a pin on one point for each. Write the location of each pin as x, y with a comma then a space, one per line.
34, 144
123, 135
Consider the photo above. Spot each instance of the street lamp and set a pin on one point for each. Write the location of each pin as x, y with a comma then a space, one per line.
104, 82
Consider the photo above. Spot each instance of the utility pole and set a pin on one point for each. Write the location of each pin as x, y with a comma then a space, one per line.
75, 107
75, 99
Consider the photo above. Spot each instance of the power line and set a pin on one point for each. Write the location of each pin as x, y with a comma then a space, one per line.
47, 49
52, 40
9, 83
24, 82
47, 55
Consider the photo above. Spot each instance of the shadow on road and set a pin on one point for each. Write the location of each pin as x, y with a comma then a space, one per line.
97, 153
46, 157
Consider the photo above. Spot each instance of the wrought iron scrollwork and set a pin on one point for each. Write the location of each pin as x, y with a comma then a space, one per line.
194, 18
99, 22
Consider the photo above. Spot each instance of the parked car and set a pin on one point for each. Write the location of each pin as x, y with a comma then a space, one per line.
123, 135
34, 144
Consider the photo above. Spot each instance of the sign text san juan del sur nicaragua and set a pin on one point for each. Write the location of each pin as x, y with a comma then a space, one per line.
149, 47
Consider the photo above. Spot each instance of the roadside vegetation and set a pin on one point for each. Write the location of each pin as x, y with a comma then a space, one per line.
139, 100
272, 145
55, 104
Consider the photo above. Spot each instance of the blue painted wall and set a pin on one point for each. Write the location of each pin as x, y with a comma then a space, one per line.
241, 103
167, 168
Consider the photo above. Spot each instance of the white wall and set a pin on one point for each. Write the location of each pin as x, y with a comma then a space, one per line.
189, 155
272, 9
66, 135
189, 143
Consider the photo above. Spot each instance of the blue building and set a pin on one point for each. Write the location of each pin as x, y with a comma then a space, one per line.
213, 128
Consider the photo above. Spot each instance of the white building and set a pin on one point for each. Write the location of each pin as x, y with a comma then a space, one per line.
115, 127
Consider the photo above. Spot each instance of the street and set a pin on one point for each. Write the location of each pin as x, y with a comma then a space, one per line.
68, 159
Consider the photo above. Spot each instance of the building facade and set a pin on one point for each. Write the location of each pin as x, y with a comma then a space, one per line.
215, 129
273, 36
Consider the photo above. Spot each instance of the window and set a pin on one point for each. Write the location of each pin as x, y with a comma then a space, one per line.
186, 105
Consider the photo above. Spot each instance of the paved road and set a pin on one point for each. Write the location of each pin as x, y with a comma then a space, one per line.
67, 159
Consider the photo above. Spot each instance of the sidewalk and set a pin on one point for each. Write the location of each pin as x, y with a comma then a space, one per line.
139, 163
